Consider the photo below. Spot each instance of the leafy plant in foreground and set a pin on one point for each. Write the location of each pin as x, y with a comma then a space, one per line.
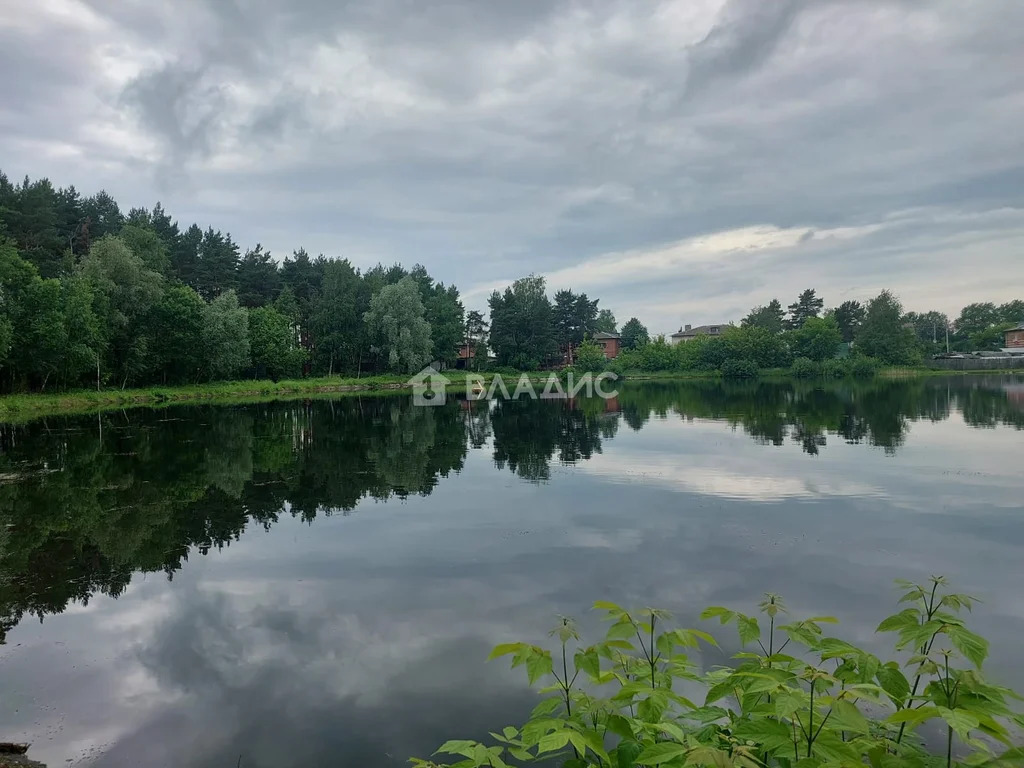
799, 699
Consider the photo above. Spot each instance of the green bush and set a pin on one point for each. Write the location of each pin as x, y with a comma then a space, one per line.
740, 369
804, 368
797, 698
589, 357
835, 368
863, 367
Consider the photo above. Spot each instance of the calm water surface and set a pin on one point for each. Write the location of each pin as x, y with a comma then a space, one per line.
319, 582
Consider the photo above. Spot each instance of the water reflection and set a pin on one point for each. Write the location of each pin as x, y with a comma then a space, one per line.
313, 641
85, 502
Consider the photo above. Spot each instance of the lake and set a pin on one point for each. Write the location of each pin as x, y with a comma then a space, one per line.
319, 582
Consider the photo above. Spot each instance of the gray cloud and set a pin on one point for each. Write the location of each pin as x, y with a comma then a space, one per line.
489, 140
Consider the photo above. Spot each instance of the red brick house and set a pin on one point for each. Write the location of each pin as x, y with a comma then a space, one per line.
466, 356
611, 343
1015, 338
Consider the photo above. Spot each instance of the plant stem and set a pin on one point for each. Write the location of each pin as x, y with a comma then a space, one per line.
654, 658
930, 608
810, 722
565, 683
949, 746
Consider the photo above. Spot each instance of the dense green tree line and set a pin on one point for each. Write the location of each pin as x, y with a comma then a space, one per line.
808, 338
92, 296
882, 329
528, 330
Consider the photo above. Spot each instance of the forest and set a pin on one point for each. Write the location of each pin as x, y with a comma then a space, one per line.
91, 296
95, 297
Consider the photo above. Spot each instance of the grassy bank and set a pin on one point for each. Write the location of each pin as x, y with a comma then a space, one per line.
16, 408
902, 372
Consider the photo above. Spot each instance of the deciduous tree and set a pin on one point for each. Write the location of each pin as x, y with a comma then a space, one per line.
397, 329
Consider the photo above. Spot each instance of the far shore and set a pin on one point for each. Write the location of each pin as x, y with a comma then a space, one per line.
23, 407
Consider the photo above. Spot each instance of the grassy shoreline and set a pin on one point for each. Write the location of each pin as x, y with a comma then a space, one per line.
22, 407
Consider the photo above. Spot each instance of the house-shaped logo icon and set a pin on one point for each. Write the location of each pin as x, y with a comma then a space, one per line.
429, 387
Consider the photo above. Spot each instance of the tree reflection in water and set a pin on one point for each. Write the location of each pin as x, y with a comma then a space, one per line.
86, 502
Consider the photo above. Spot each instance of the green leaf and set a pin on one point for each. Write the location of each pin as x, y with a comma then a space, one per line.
578, 742
787, 702
770, 734
665, 643
973, 647
595, 741
846, 717
457, 747
913, 717
900, 621
706, 714
671, 729
653, 707
552, 742
960, 721
538, 664
504, 650
718, 612
622, 630
893, 682
748, 628
620, 726
589, 662
719, 691
604, 605
626, 753
657, 754
546, 707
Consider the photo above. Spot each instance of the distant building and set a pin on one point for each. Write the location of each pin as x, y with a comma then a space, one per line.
468, 353
1014, 339
611, 343
689, 333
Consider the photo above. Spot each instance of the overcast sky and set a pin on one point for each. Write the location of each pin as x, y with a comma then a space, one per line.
683, 161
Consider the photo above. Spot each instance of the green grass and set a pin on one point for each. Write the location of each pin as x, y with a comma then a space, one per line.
18, 407
899, 372
22, 407
670, 375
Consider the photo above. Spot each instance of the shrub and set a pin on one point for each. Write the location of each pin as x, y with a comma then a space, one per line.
804, 368
835, 368
765, 348
864, 367
589, 357
658, 355
503, 370
817, 339
740, 369
822, 703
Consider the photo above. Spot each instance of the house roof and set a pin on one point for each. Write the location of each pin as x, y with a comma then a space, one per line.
1018, 327
701, 329
603, 335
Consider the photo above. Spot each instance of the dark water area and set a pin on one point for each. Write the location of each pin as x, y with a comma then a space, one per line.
312, 583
